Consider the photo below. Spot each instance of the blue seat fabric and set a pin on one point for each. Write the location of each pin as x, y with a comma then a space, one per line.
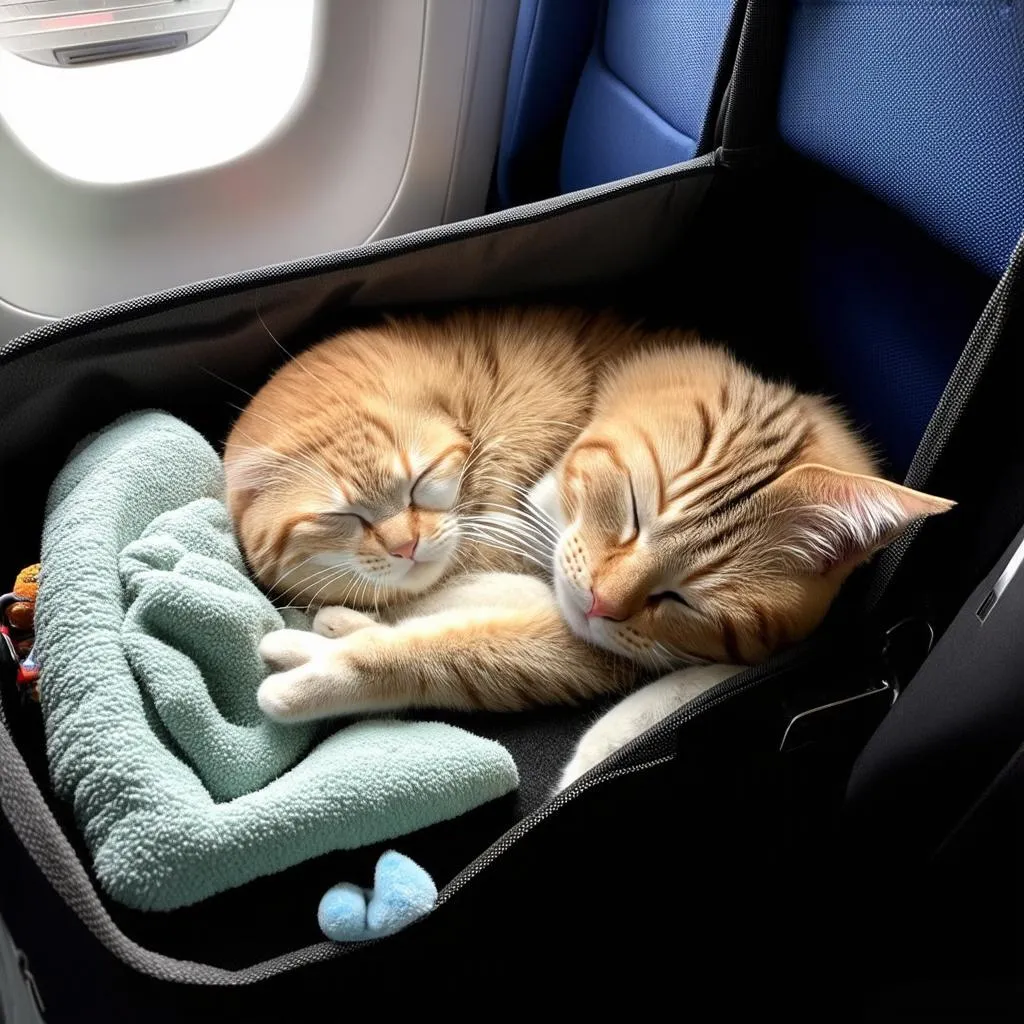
600, 91
914, 107
920, 103
552, 40
645, 90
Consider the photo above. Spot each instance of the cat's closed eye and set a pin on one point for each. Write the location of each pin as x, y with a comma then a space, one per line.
635, 512
344, 520
435, 491
671, 596
437, 487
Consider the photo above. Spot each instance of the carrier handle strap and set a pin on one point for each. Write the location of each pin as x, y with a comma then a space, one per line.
751, 110
714, 117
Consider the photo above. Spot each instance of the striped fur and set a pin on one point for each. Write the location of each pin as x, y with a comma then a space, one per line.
327, 465
713, 514
753, 503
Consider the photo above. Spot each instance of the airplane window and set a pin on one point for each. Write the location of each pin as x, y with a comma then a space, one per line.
114, 121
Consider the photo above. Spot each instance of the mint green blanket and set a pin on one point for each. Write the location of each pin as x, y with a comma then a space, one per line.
147, 628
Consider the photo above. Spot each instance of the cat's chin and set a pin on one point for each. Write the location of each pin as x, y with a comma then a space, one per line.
572, 613
420, 576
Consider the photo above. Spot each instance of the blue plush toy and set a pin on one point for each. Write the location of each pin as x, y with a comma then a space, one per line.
402, 893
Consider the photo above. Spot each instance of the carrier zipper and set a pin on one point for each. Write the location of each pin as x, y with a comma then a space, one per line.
969, 368
591, 780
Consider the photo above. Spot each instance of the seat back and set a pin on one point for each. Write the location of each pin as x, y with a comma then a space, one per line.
552, 40
603, 90
644, 93
920, 105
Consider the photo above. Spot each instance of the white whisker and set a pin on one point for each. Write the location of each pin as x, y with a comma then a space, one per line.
291, 355
314, 577
273, 586
506, 532
229, 383
524, 493
340, 575
516, 515
489, 541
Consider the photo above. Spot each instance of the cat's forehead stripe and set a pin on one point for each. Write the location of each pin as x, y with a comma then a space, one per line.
369, 419
600, 445
735, 479
458, 448
659, 474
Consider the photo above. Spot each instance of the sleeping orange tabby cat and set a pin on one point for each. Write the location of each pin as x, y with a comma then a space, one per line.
688, 511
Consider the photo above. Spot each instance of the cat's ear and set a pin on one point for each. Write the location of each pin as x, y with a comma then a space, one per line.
822, 518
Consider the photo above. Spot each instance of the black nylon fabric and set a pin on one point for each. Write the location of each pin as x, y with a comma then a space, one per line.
714, 118
749, 122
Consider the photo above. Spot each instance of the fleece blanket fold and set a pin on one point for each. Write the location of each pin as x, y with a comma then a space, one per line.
147, 629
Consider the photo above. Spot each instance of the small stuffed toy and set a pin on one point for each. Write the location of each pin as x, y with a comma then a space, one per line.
402, 893
20, 615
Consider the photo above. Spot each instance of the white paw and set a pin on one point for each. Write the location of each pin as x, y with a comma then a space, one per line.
316, 689
303, 666
291, 696
316, 678
336, 620
288, 648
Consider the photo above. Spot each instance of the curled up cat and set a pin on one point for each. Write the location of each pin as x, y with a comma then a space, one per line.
495, 510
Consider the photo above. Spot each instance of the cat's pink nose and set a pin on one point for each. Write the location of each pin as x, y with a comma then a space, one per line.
406, 550
603, 609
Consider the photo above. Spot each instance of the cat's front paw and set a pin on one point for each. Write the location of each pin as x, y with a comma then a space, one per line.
304, 667
317, 677
290, 696
338, 621
303, 694
289, 648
